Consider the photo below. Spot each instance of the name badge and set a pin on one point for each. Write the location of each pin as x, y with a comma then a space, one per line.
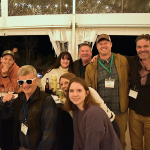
109, 83
24, 128
133, 94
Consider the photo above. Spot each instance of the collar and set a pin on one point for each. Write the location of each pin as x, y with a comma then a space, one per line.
105, 61
31, 97
82, 63
140, 60
63, 69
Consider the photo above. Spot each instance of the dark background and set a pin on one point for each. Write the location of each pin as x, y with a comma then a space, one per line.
124, 45
42, 52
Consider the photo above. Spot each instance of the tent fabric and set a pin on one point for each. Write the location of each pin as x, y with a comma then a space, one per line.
58, 36
89, 35
64, 35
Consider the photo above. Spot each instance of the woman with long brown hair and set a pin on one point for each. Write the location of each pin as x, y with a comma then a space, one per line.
92, 127
64, 64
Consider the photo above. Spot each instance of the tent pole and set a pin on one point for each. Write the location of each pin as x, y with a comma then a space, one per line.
73, 52
60, 6
122, 7
4, 12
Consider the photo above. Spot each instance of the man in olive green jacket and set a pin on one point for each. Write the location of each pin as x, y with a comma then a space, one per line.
109, 75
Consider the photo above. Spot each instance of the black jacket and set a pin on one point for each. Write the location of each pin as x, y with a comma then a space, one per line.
76, 68
141, 105
33, 119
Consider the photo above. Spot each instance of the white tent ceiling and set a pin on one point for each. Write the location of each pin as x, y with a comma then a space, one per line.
113, 24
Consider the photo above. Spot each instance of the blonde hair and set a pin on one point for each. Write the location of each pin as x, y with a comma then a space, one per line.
68, 76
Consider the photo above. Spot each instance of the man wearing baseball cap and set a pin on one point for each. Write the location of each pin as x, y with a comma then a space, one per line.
8, 71
109, 75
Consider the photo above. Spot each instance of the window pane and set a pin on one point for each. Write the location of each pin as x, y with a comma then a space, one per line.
98, 6
136, 6
39, 7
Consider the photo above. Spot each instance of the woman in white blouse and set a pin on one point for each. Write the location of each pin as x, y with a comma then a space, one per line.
64, 64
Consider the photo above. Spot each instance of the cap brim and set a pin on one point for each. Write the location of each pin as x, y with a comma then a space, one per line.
8, 54
103, 39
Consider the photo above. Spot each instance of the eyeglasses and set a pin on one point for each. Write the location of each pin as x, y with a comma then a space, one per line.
29, 81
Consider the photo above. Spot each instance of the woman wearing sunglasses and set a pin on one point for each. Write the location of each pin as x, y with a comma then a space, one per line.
64, 82
64, 64
92, 127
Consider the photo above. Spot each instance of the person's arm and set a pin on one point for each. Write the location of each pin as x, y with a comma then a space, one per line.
98, 99
93, 138
128, 63
94, 58
6, 110
75, 143
49, 120
94, 135
10, 80
87, 76
43, 81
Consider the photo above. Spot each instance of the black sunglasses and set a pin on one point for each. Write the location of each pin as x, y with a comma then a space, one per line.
29, 81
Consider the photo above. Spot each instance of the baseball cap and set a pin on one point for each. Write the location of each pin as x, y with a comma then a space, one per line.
103, 36
8, 52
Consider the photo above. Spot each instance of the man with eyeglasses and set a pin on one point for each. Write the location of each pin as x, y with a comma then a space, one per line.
35, 113
8, 71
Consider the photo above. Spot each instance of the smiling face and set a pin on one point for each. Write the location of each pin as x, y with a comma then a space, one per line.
64, 84
77, 94
85, 53
7, 61
28, 89
64, 62
143, 49
104, 47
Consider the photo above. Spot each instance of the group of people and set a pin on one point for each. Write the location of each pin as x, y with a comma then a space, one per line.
98, 91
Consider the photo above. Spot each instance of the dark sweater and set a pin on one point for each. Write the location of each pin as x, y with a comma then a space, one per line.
141, 104
79, 69
93, 130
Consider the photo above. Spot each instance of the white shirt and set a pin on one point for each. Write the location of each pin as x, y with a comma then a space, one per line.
58, 72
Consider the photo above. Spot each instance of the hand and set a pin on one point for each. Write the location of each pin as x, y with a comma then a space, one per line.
4, 71
8, 97
50, 88
94, 58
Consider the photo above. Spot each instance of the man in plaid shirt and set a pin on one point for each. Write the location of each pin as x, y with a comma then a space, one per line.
109, 75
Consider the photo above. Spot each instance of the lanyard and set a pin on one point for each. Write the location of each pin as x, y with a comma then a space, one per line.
144, 75
25, 112
105, 67
139, 79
